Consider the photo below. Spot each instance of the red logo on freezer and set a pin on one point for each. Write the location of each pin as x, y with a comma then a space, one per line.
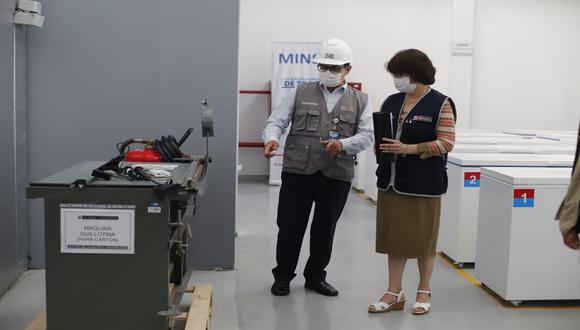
472, 176
521, 193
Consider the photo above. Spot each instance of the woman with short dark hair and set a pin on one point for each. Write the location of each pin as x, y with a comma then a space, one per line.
412, 181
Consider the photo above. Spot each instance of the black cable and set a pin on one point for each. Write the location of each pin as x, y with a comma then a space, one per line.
172, 143
185, 136
124, 146
163, 151
165, 146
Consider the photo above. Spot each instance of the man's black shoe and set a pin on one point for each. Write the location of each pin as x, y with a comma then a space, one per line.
280, 288
321, 287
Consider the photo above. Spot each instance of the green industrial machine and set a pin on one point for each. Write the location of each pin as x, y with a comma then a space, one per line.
114, 248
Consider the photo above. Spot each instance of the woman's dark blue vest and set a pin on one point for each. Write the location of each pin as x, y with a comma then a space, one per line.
413, 175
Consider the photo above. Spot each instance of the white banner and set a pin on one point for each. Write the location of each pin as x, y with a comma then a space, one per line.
98, 229
292, 64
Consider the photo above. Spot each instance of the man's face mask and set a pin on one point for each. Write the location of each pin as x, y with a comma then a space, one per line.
330, 79
330, 75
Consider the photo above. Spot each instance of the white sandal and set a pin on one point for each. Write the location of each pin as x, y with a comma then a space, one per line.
425, 306
383, 307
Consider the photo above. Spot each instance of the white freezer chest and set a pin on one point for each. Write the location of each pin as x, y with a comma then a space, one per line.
520, 254
459, 209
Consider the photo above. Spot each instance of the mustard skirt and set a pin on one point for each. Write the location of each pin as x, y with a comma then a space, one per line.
407, 226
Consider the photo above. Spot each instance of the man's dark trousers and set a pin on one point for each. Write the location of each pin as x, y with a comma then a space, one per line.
297, 194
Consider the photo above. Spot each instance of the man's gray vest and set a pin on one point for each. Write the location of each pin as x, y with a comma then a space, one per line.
311, 122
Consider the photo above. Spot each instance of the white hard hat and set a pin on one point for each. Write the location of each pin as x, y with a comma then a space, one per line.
334, 52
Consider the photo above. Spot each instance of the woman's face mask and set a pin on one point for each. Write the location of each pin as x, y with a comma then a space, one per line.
403, 84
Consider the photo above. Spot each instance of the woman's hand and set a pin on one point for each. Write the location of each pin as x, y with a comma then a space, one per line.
397, 147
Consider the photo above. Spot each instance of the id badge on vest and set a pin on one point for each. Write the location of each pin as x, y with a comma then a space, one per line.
334, 133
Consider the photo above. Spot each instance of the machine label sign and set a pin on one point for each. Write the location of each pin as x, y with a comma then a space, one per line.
523, 197
97, 229
472, 179
154, 207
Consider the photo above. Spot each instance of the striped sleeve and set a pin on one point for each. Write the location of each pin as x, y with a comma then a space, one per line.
445, 135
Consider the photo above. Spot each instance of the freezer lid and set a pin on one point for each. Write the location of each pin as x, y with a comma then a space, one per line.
474, 159
507, 140
476, 148
558, 135
472, 130
569, 141
516, 149
481, 134
518, 176
527, 142
477, 140
494, 149
522, 132
558, 149
561, 160
537, 132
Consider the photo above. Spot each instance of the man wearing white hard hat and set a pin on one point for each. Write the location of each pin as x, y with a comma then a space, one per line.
331, 123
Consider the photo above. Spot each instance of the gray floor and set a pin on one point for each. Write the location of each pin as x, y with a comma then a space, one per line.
242, 299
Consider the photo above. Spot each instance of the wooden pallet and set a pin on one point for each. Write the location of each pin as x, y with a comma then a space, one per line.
39, 322
197, 317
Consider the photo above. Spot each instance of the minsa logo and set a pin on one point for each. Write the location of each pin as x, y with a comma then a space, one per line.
296, 58
329, 55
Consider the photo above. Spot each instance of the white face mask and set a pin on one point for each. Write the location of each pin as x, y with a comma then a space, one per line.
330, 79
403, 84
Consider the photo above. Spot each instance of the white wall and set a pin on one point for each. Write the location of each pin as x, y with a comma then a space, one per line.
253, 112
375, 29
526, 64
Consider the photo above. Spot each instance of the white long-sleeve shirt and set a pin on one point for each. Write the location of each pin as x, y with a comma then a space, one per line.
280, 118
